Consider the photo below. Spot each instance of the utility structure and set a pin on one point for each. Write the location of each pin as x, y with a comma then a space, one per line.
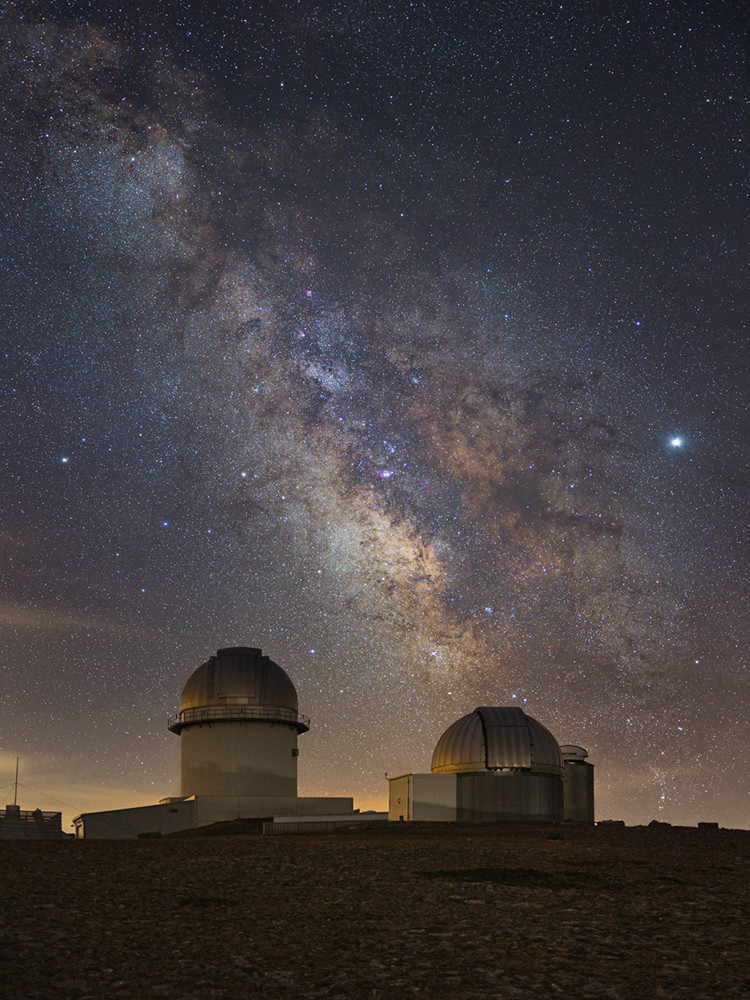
23, 824
578, 774
238, 725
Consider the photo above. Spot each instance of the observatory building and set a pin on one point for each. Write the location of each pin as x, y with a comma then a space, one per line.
498, 764
238, 724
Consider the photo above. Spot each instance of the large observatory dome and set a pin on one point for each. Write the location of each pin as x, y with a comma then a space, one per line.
239, 683
497, 739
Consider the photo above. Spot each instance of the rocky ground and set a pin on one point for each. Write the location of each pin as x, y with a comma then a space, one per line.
471, 911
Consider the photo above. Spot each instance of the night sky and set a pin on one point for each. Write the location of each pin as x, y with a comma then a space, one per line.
406, 341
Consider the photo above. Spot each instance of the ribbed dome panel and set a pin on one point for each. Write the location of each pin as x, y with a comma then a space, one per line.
497, 739
461, 747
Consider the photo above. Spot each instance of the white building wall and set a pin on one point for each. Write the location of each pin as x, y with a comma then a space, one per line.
220, 808
126, 824
399, 798
203, 810
422, 798
239, 759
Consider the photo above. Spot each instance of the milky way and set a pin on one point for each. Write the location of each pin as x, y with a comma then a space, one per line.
365, 335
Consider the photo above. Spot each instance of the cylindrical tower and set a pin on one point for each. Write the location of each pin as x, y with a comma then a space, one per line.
578, 776
238, 725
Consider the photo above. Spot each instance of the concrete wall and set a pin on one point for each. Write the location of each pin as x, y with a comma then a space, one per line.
321, 824
422, 797
239, 759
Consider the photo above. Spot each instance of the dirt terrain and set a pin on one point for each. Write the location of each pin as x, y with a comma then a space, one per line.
411, 910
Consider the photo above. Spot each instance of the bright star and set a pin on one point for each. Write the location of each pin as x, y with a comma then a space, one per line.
676, 442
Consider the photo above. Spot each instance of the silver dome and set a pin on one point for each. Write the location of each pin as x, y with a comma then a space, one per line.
495, 739
239, 683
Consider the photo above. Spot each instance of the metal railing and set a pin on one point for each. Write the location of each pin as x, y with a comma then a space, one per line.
25, 824
236, 713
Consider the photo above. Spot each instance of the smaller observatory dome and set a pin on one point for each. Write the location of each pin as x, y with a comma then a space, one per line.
497, 739
239, 683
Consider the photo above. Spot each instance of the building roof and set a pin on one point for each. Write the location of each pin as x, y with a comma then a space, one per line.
239, 675
492, 739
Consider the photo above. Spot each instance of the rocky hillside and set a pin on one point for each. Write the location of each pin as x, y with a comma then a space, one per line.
474, 912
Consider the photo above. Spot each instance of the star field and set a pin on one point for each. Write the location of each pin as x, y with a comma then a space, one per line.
407, 344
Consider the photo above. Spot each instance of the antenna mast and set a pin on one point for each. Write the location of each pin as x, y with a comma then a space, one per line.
15, 788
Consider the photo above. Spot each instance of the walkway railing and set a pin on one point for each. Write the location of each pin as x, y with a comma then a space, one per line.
25, 824
236, 713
